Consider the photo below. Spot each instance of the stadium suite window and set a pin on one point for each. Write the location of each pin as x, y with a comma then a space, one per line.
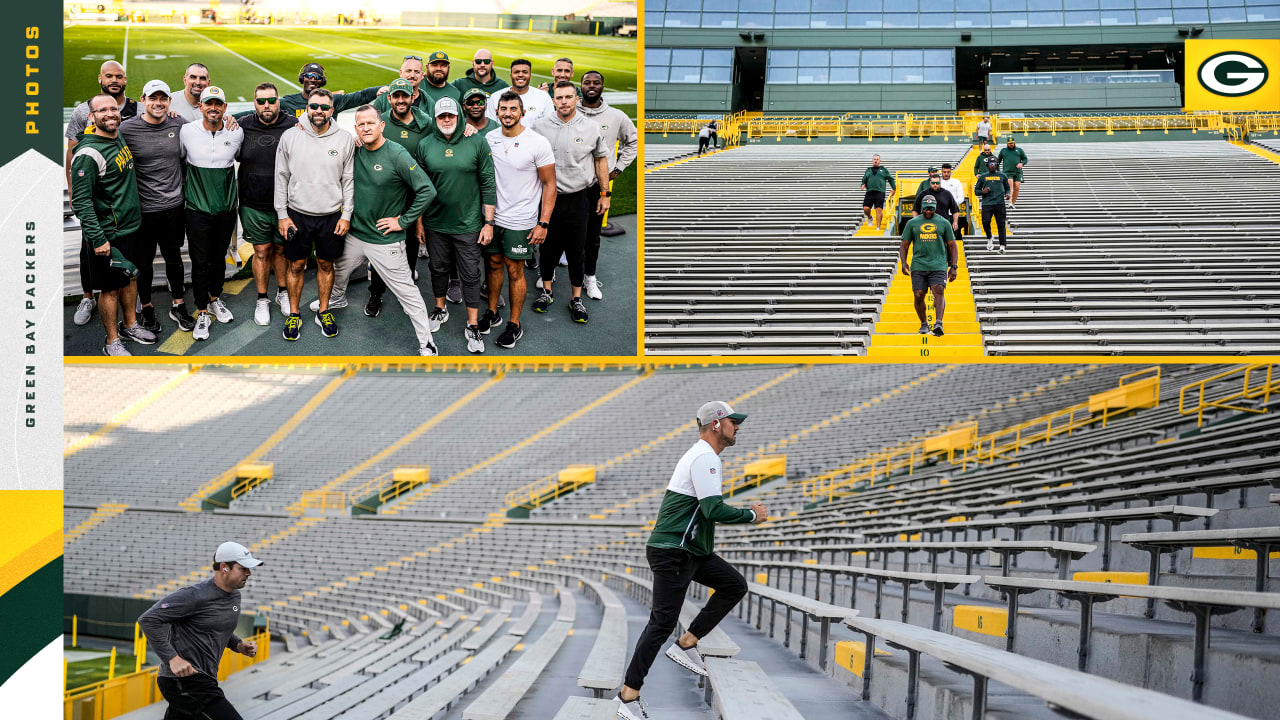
866, 66
872, 14
688, 65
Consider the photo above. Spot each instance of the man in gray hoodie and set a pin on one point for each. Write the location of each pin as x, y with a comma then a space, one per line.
621, 141
314, 191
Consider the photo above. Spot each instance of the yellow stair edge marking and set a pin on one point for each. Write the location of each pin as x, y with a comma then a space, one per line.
1227, 553
102, 514
128, 413
665, 165
303, 412
980, 619
895, 334
1258, 150
852, 655
1121, 578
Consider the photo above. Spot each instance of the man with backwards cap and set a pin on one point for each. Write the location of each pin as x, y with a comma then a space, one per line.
991, 187
933, 259
679, 551
189, 628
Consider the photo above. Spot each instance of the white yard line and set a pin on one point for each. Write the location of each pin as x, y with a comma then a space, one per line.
124, 58
327, 51
290, 83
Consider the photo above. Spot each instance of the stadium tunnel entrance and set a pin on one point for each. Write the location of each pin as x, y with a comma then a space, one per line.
749, 69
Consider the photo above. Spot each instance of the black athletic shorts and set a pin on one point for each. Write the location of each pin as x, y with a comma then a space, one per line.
315, 232
873, 199
923, 279
195, 696
108, 272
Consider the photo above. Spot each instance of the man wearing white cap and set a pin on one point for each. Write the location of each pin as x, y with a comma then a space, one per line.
679, 551
189, 628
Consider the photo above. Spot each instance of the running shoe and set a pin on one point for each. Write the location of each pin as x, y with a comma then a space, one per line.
116, 349
577, 310
438, 317
591, 286
282, 299
328, 326
428, 350
937, 328
422, 250
336, 302
543, 302
564, 260
137, 333
1001, 248
178, 313
924, 328
488, 321
634, 710
531, 263
373, 306
553, 279
203, 322
689, 658
454, 293
220, 311
262, 312
991, 244
510, 336
475, 343
293, 327
84, 311
149, 320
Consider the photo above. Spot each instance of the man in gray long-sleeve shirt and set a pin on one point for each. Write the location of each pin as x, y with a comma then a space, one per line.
189, 629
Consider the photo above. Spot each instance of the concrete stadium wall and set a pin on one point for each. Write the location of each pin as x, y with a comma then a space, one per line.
688, 97
1048, 98
113, 617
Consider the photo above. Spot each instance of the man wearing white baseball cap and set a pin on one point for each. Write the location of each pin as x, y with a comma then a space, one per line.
679, 551
188, 630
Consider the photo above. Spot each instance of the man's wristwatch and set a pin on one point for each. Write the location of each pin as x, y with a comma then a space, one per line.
605, 193
488, 222
544, 225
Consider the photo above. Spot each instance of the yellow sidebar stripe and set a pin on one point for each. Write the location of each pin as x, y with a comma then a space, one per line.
30, 574
895, 333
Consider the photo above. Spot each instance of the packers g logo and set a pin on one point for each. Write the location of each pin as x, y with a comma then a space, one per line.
1232, 73
404, 133
333, 153
378, 168
928, 227
448, 152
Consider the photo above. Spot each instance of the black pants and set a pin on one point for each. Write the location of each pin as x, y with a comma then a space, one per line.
715, 139
591, 248
376, 285
567, 234
673, 570
208, 237
456, 253
164, 229
996, 210
702, 144
195, 697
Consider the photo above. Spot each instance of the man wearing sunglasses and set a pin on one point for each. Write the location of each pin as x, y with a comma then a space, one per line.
262, 132
210, 150
481, 76
945, 204
474, 102
314, 196
437, 81
681, 550
311, 77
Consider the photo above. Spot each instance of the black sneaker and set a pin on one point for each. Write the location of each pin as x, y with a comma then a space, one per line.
543, 302
178, 313
328, 326
924, 328
1001, 249
531, 263
293, 327
488, 321
149, 321
454, 293
510, 336
577, 310
373, 308
937, 328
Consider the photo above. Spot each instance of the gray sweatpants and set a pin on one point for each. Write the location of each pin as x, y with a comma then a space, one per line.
392, 265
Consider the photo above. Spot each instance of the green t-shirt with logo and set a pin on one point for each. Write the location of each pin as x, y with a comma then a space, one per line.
928, 238
385, 180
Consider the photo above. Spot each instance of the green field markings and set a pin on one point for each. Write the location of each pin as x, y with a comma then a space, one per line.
281, 78
87, 672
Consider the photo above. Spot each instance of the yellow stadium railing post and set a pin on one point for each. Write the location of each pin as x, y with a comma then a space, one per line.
74, 622
111, 669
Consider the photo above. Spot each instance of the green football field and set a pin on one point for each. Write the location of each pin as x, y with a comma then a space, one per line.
241, 57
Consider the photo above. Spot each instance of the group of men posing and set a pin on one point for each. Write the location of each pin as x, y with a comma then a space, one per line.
478, 173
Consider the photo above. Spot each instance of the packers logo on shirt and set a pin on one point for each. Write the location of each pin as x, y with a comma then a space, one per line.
448, 152
605, 127
404, 133
578, 140
379, 168
173, 134
333, 153
928, 227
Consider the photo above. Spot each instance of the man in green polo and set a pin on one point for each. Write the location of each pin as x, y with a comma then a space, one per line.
873, 183
1012, 159
933, 260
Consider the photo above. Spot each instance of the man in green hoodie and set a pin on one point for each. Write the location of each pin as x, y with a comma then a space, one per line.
461, 223
873, 183
104, 195
980, 164
1013, 158
481, 76
681, 550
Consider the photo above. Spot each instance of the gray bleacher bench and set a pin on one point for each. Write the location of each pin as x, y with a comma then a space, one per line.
740, 690
789, 551
477, 638
502, 696
457, 683
367, 706
1062, 552
602, 671
820, 612
529, 617
1201, 603
716, 643
568, 606
1260, 540
581, 708
1070, 693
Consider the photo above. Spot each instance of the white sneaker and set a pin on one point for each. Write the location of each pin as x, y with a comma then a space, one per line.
475, 343
422, 250
437, 317
116, 349
262, 312
428, 350
991, 244
592, 287
203, 322
336, 302
688, 658
553, 279
564, 260
220, 311
84, 310
634, 710
282, 299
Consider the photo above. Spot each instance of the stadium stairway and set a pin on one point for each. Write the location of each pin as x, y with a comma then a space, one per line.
896, 331
1266, 149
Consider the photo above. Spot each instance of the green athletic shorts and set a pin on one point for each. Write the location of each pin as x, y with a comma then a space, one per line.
512, 243
259, 227
1014, 175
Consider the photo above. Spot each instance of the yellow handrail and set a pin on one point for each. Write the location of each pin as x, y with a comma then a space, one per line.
324, 500
1247, 392
544, 490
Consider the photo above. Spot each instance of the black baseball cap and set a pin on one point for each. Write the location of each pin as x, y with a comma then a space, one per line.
312, 68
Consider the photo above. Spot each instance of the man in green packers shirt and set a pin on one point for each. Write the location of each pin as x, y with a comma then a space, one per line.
933, 260
680, 551
391, 193
1013, 158
990, 187
104, 195
873, 182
